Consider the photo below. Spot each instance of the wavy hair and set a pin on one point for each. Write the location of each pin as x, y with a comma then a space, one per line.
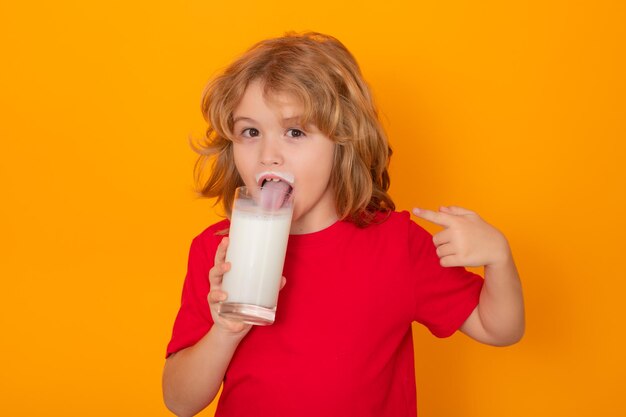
319, 71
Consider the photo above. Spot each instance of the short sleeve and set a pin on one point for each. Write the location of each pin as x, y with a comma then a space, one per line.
194, 319
444, 297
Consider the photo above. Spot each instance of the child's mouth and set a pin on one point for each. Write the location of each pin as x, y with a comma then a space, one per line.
275, 191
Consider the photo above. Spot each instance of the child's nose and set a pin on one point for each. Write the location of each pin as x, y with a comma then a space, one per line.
270, 152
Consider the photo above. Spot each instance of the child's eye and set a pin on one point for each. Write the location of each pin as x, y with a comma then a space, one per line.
295, 133
250, 132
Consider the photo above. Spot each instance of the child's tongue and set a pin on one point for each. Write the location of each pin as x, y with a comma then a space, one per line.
273, 194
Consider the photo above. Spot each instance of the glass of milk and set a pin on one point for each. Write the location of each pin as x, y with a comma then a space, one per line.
259, 230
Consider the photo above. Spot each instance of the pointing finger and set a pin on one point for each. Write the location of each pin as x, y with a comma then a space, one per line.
442, 219
456, 210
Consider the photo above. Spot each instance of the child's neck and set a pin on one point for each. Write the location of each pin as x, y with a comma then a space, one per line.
305, 226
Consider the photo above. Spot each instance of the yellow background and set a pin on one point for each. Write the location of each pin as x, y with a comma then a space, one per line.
516, 110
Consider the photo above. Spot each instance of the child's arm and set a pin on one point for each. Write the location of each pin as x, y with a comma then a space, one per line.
469, 241
192, 376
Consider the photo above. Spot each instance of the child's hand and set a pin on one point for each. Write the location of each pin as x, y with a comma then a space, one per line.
216, 295
467, 240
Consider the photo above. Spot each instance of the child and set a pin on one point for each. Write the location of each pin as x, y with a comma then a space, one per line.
357, 273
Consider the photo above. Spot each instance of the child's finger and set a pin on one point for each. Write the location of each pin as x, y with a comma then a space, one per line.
442, 237
450, 261
445, 250
283, 281
220, 253
216, 296
456, 210
442, 219
216, 273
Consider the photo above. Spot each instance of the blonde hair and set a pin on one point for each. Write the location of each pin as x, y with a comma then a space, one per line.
318, 70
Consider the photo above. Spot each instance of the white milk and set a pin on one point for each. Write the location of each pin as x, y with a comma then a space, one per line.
258, 243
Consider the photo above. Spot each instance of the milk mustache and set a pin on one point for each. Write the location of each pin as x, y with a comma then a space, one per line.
257, 246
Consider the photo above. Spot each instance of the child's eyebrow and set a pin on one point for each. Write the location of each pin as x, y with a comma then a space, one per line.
292, 120
286, 121
242, 118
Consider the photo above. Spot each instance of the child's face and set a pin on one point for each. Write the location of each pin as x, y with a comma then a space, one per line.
269, 141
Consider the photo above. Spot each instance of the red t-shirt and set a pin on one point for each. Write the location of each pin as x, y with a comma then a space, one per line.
341, 344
